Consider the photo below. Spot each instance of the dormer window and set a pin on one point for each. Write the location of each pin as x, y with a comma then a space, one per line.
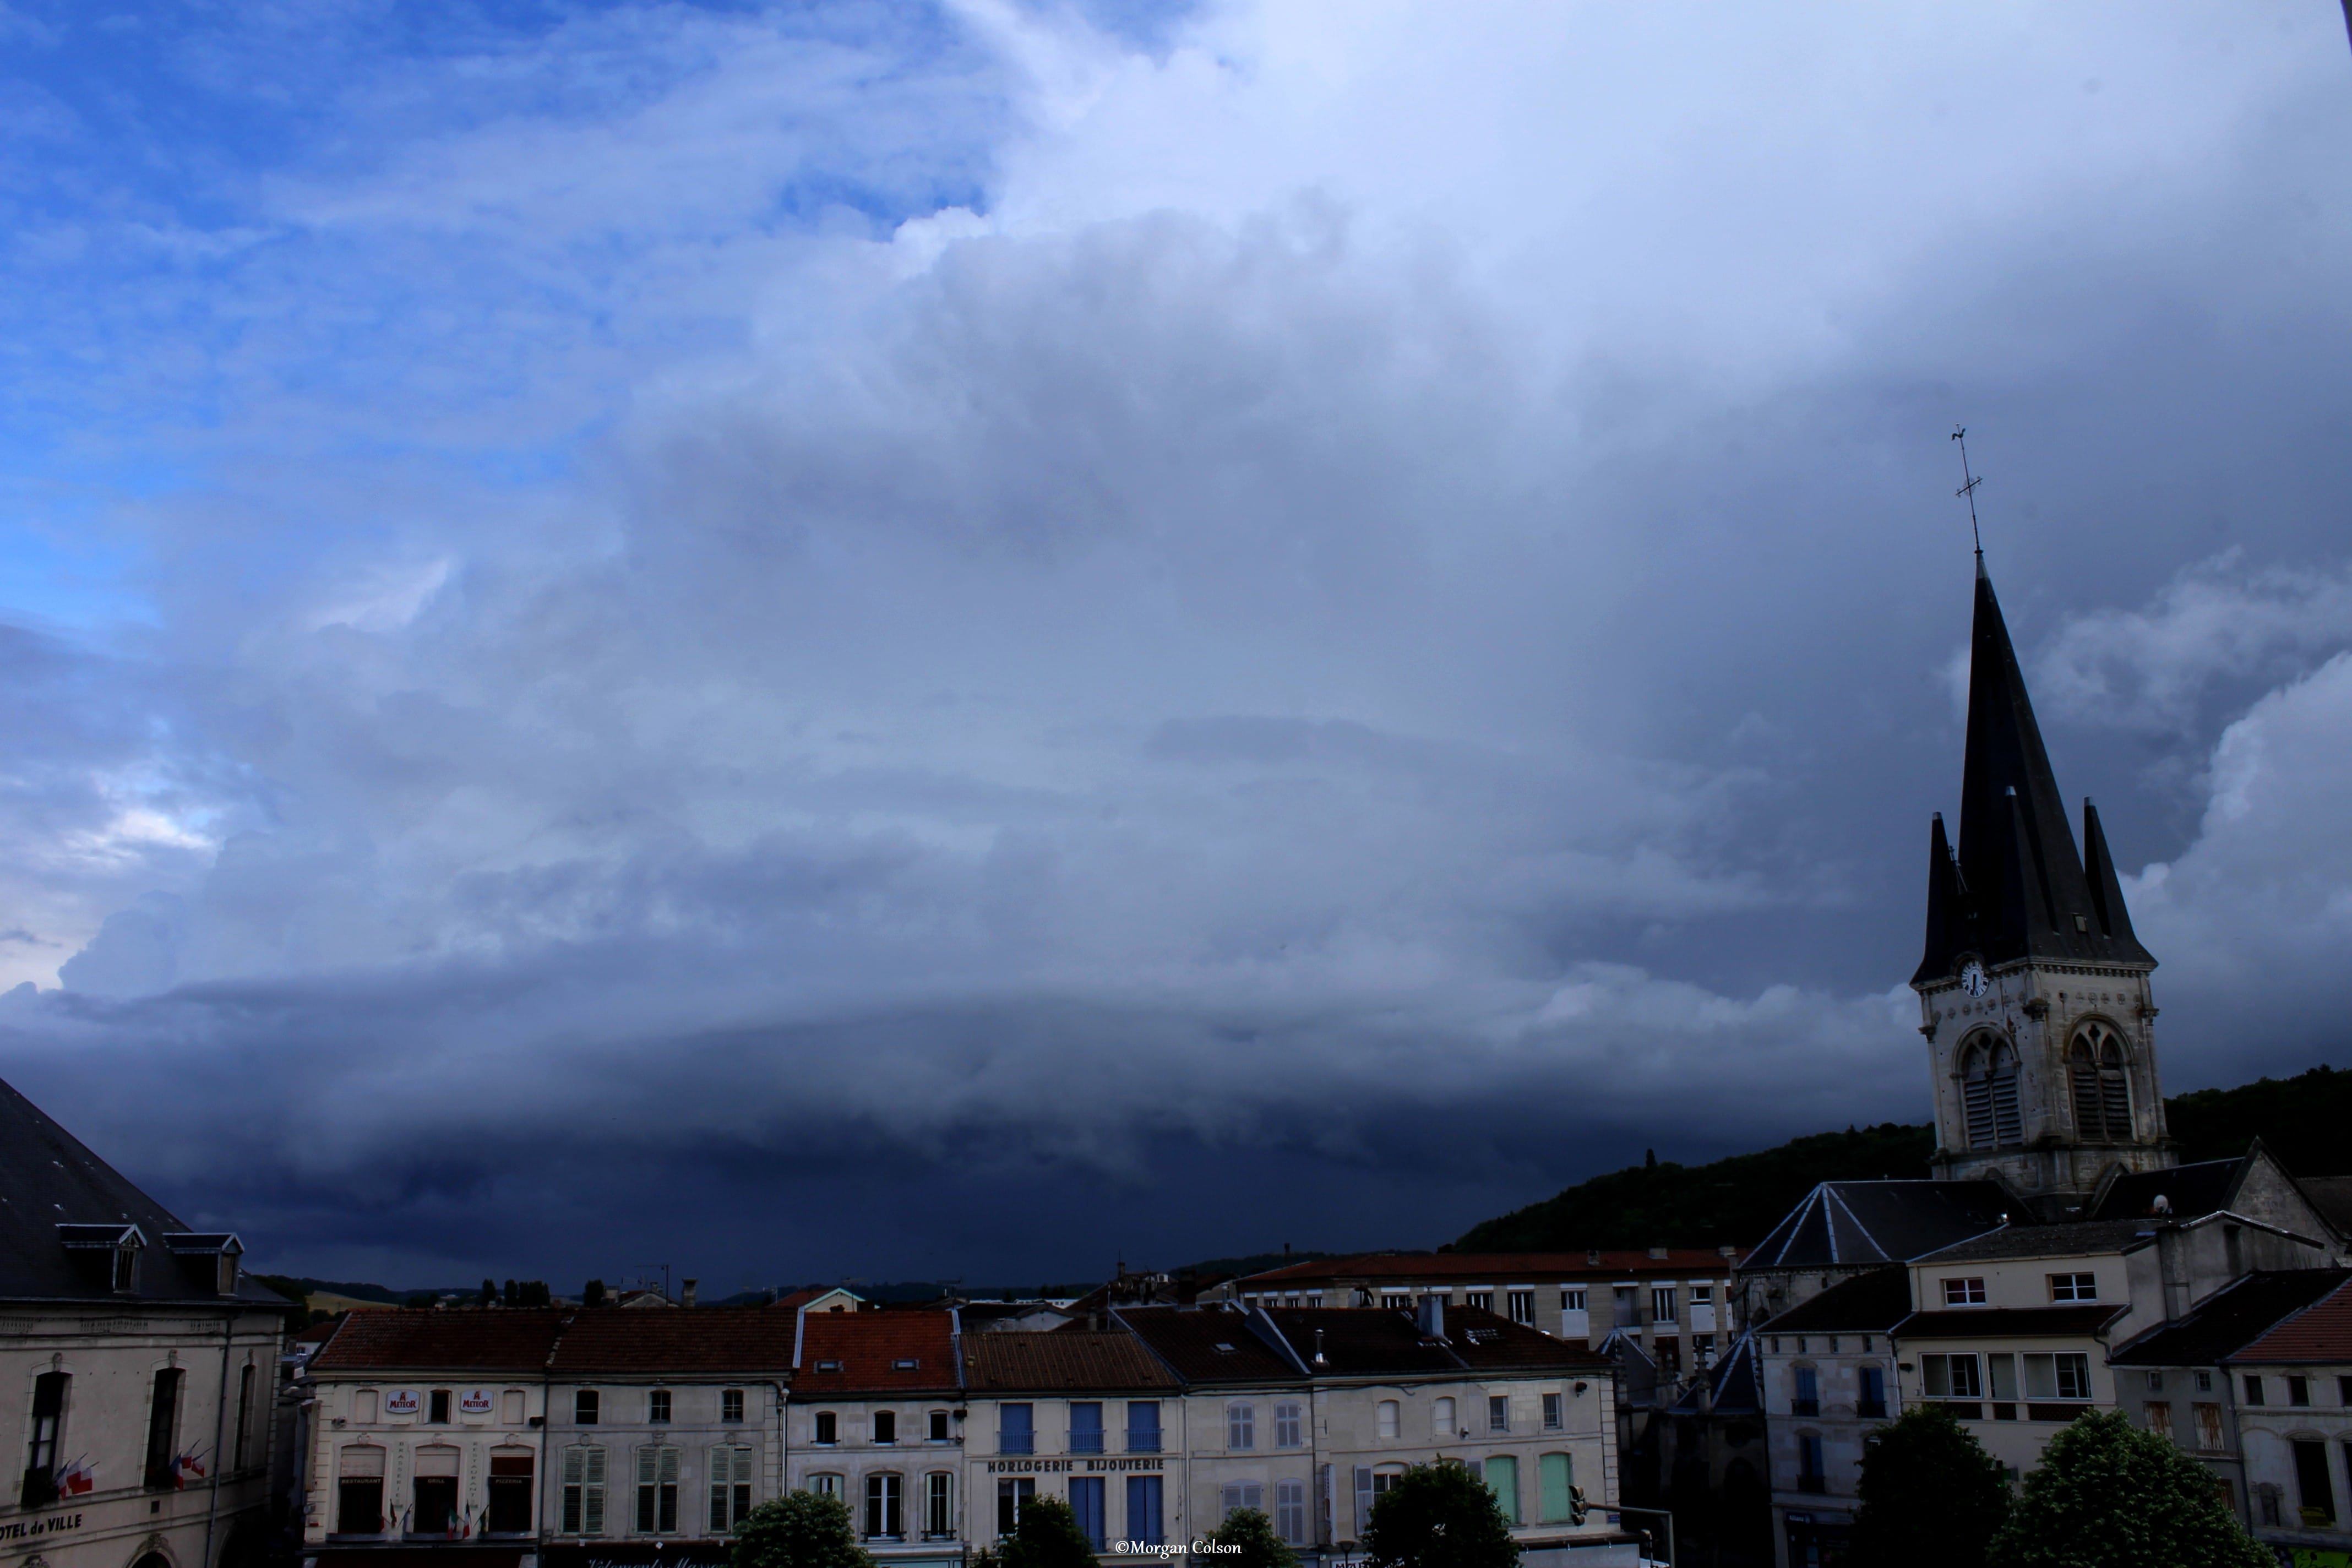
126, 1267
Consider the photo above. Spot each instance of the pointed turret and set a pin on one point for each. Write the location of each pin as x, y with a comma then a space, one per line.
2106, 889
2017, 889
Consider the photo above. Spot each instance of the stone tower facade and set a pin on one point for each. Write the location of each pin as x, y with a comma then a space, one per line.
2034, 992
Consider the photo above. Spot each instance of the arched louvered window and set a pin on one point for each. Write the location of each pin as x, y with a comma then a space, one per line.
1989, 1090
2102, 1089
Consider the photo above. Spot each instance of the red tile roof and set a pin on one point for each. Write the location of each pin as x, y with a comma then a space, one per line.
856, 1353
1051, 1360
726, 1340
515, 1342
1496, 1269
2321, 1332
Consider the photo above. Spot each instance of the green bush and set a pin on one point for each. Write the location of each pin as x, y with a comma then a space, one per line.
1439, 1516
2108, 1495
799, 1529
1931, 1496
1252, 1534
1046, 1535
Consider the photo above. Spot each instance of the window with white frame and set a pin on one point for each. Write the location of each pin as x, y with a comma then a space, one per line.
1964, 1292
1479, 1300
658, 1406
2073, 1287
1290, 1513
1572, 1300
1523, 1307
1235, 1496
1662, 1303
883, 1503
826, 1428
1702, 1295
1441, 1415
730, 1404
1554, 1412
583, 1491
1390, 1414
1241, 1425
1392, 1303
1499, 1412
939, 1505
730, 1488
1953, 1376
825, 1484
657, 1491
1288, 1422
2062, 1374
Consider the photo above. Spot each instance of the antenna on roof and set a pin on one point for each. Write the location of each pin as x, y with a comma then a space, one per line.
1960, 433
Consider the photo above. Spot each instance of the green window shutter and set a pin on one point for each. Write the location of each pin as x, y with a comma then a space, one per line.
1503, 1480
1559, 1475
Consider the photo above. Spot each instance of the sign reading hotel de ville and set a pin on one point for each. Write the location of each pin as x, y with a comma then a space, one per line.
473, 1402
401, 1401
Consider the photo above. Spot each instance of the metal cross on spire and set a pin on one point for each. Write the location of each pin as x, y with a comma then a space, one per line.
1960, 433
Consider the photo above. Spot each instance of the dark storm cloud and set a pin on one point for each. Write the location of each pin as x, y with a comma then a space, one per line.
1308, 665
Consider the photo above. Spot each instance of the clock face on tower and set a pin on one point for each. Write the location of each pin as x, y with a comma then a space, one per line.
1972, 979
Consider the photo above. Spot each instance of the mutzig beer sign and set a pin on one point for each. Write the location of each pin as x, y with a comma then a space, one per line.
471, 1402
402, 1401
475, 1402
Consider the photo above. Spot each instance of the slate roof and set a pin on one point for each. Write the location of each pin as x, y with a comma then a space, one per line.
850, 1354
1840, 1224
1367, 1341
2010, 1322
2332, 1196
1044, 1360
1867, 1303
514, 1341
2321, 1332
725, 1340
49, 1178
1732, 1386
2229, 1320
1496, 1269
1208, 1345
2073, 1239
2014, 887
2198, 1189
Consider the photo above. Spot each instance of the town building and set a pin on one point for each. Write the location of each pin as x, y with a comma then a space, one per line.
2173, 1380
566, 1433
141, 1364
2292, 1392
1309, 1414
1675, 1302
877, 1420
1826, 1376
1091, 1416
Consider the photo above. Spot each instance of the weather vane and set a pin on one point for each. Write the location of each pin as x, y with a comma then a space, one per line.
1968, 490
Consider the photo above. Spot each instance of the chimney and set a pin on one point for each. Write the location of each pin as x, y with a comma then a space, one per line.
1593, 1259
1726, 1250
1285, 1252
1658, 1253
685, 1297
1433, 1317
1318, 1349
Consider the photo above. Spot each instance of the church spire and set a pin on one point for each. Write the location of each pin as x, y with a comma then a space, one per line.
2017, 889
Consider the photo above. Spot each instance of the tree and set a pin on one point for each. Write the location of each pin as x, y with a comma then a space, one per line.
1252, 1535
1438, 1516
593, 1296
1046, 1535
1931, 1496
490, 1292
2108, 1495
799, 1529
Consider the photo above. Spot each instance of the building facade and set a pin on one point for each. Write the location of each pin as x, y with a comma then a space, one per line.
878, 1419
141, 1364
1827, 1376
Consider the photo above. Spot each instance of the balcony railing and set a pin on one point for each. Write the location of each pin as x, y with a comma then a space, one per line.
1083, 1442
1017, 1442
1804, 1407
1142, 1442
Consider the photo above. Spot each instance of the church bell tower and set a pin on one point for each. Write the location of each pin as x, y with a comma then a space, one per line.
2034, 992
